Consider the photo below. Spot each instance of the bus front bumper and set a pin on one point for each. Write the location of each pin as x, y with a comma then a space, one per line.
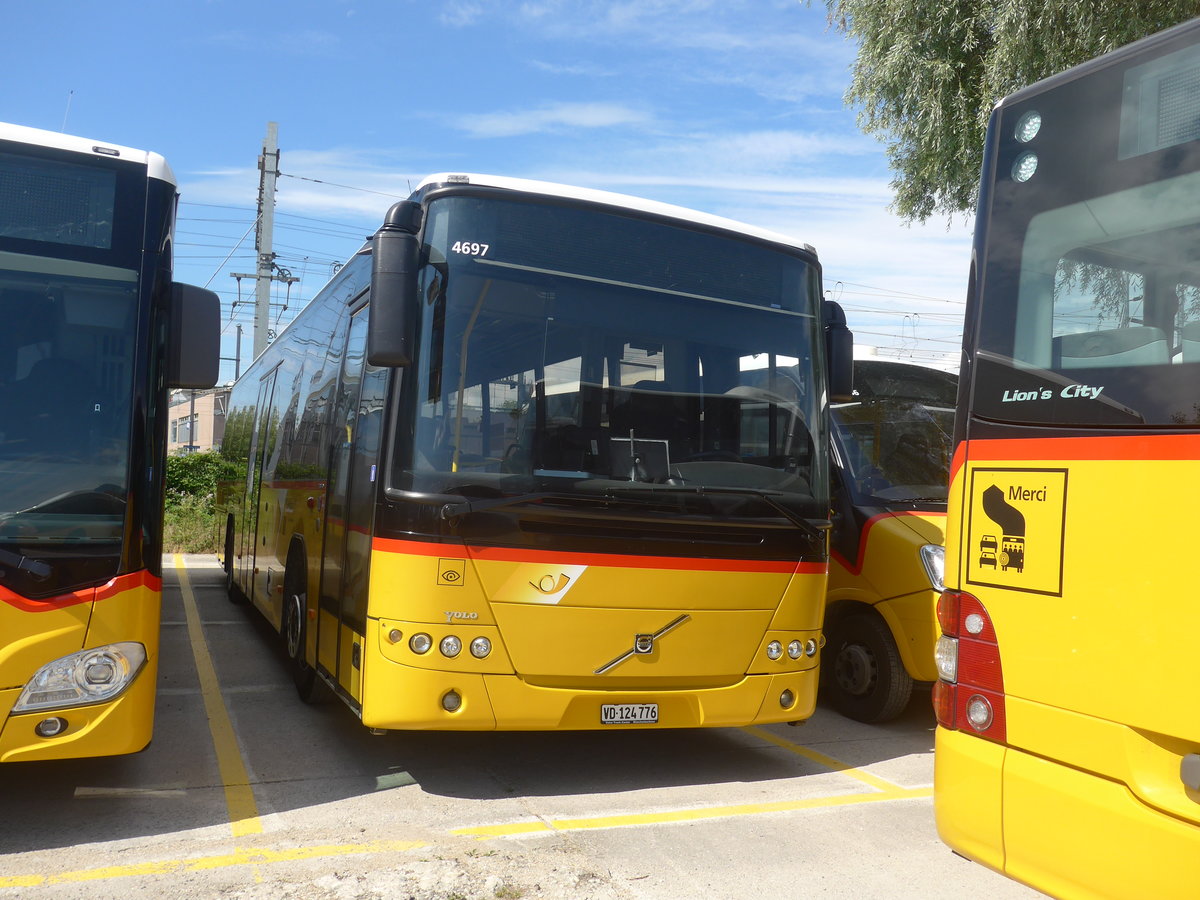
122, 725
402, 697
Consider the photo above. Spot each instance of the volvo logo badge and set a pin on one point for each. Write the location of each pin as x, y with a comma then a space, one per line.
642, 644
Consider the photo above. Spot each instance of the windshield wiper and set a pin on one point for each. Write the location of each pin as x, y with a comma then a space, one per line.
815, 528
34, 567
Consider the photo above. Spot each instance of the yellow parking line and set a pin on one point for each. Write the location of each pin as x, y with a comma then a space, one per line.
821, 759
204, 863
239, 796
512, 829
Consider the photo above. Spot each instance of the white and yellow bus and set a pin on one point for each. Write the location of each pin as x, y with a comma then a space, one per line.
531, 461
1068, 746
93, 335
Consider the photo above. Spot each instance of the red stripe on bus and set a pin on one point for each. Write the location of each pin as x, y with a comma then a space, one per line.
855, 568
118, 585
1102, 447
617, 560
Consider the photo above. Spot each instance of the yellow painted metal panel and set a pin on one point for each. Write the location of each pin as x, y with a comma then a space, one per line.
1073, 834
967, 796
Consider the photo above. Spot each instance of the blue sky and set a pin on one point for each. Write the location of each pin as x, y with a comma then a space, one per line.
726, 106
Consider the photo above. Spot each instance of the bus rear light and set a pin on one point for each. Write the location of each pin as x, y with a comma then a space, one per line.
979, 664
945, 655
947, 612
979, 712
944, 700
970, 695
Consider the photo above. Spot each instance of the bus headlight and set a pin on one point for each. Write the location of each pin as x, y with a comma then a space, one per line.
933, 558
83, 678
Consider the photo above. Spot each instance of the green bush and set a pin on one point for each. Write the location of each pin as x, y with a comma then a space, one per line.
189, 524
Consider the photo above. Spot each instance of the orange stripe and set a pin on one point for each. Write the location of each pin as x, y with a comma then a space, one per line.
616, 560
856, 567
115, 586
1101, 447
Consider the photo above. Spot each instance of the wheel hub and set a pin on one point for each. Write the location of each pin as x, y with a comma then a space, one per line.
855, 670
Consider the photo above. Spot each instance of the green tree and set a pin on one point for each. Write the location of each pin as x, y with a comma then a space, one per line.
929, 72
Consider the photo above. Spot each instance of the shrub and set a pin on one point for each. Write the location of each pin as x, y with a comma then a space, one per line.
189, 526
189, 522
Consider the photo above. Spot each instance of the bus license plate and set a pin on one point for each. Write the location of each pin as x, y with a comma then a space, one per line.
629, 714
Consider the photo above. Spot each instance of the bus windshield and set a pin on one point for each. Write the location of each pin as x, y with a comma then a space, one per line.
573, 350
894, 437
66, 370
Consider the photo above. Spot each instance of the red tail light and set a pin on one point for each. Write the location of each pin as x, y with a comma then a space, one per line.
973, 701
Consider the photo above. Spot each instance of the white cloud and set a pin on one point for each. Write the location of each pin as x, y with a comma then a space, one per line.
551, 117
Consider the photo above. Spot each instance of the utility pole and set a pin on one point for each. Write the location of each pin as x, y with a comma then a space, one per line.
268, 169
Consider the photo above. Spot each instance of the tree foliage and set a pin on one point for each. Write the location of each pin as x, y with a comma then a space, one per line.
929, 72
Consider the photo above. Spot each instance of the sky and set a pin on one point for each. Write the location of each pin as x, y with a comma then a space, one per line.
732, 107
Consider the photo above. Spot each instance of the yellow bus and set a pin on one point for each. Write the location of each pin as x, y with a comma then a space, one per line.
531, 461
1068, 744
891, 465
92, 339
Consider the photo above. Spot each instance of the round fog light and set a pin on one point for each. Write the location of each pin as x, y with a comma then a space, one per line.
420, 643
786, 699
774, 650
395, 635
480, 647
979, 713
50, 727
451, 701
795, 649
450, 646
810, 647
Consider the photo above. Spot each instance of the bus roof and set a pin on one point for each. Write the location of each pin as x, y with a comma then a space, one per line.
609, 198
156, 164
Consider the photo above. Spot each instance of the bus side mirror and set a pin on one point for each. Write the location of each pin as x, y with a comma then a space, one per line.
395, 261
839, 352
194, 355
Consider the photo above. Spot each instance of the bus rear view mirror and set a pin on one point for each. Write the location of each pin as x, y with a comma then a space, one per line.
395, 261
194, 359
839, 352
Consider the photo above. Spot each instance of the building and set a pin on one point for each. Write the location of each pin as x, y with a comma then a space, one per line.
196, 420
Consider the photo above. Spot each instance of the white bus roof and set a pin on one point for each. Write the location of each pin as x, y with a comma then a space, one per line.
613, 199
156, 165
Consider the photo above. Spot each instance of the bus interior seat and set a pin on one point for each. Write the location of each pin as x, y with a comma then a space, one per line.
1189, 335
1140, 345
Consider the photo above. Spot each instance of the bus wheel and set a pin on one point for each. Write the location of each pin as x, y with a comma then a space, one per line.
293, 627
865, 677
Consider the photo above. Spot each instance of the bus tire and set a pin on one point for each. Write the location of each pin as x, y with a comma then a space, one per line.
231, 588
864, 675
294, 629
